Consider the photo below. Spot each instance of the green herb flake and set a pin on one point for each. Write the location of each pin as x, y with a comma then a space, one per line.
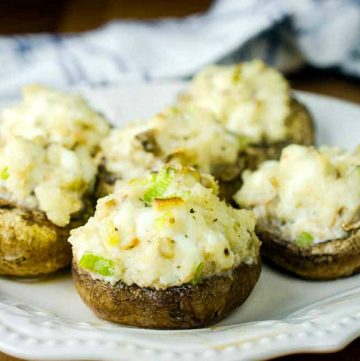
236, 75
304, 240
198, 273
4, 173
244, 141
160, 182
98, 265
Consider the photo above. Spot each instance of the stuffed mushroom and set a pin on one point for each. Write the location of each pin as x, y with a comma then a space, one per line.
191, 137
308, 210
47, 174
254, 102
163, 251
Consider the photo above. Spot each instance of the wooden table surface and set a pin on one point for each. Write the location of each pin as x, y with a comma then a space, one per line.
18, 16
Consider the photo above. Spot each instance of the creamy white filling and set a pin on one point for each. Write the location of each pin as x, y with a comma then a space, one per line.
52, 179
47, 151
308, 192
250, 99
46, 116
166, 244
189, 137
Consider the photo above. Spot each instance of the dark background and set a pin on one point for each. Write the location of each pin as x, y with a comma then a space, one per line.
34, 16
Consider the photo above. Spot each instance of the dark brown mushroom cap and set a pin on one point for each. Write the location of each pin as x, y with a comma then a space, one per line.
179, 307
323, 261
31, 245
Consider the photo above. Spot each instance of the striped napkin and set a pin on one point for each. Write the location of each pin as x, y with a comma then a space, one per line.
285, 33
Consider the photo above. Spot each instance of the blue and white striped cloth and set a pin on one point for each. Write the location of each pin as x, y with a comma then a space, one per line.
285, 33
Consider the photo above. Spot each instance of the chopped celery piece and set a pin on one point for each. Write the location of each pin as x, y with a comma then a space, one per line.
96, 264
4, 173
159, 185
305, 239
198, 273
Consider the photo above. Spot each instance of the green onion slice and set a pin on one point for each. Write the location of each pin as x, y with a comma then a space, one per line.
4, 173
304, 239
96, 264
199, 270
159, 185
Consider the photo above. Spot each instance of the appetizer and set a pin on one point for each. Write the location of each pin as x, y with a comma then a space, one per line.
254, 102
191, 137
163, 251
308, 210
47, 173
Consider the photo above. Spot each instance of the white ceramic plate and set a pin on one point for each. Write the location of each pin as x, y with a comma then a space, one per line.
46, 320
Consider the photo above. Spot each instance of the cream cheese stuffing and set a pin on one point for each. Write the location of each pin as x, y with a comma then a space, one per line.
310, 195
191, 137
166, 229
48, 142
250, 99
